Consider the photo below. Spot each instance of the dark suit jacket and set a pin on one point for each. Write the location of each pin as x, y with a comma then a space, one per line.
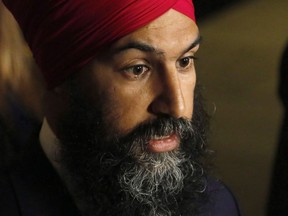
31, 187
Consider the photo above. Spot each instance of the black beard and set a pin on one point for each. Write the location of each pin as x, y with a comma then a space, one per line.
113, 175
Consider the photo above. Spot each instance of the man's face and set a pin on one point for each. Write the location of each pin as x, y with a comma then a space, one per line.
148, 73
128, 139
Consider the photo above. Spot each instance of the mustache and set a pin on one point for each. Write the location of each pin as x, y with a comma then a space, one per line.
157, 128
163, 126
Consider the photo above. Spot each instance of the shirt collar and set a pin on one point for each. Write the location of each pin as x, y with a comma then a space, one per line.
49, 143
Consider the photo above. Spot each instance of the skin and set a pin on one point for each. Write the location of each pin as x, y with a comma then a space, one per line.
143, 75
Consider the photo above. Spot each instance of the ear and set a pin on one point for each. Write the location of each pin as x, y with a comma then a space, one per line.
55, 104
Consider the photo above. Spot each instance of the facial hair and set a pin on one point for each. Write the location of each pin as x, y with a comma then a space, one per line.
112, 174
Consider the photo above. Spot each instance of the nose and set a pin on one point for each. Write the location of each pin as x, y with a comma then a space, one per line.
169, 98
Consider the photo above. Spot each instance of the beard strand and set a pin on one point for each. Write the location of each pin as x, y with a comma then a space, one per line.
120, 177
155, 181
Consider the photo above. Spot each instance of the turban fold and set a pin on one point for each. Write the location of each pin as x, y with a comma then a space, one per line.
64, 35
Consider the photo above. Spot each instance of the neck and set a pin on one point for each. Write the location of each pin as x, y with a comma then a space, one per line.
51, 148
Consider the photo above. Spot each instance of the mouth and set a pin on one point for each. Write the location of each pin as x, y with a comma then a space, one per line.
161, 144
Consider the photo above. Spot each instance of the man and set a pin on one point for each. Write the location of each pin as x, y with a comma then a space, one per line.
124, 129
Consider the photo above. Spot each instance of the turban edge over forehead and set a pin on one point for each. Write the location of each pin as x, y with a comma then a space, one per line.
64, 35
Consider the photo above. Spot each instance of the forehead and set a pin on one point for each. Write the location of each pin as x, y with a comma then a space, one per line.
168, 31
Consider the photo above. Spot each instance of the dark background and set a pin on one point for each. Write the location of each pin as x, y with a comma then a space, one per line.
204, 8
239, 68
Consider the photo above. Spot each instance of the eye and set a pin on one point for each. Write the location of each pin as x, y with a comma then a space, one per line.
186, 62
136, 71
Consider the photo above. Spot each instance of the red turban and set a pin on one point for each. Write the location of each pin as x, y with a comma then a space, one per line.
64, 35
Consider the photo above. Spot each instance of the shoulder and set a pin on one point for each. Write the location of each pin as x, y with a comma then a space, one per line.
221, 200
8, 200
30, 186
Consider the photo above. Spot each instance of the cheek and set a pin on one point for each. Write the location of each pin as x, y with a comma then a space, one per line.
124, 108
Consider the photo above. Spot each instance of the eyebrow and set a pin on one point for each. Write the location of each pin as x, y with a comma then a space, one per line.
150, 49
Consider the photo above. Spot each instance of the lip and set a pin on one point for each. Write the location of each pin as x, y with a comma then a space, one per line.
163, 144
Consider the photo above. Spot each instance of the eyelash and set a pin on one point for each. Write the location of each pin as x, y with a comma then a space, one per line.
129, 71
190, 63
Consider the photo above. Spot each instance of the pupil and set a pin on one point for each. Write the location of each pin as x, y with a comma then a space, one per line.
138, 70
184, 62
